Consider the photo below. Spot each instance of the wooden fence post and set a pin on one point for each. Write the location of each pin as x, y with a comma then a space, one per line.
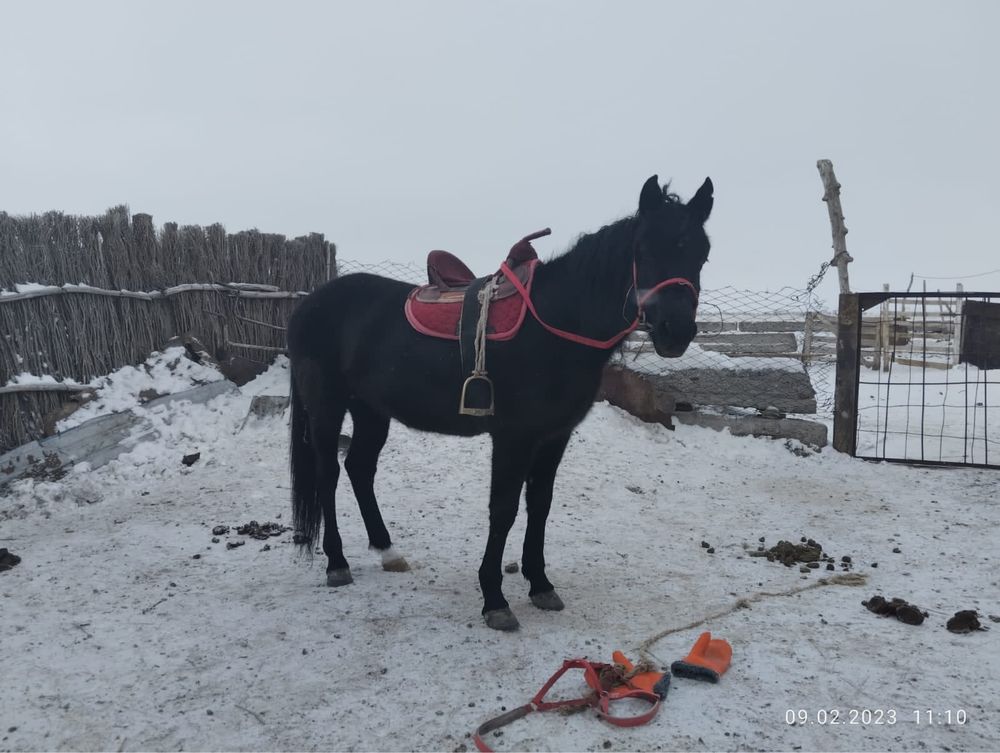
831, 196
845, 395
807, 337
886, 332
958, 326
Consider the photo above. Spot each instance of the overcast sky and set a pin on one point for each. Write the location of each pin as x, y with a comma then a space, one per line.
397, 127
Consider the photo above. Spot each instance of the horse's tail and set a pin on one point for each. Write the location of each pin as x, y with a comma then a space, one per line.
307, 513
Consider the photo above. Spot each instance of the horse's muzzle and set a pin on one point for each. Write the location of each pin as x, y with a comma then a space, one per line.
672, 341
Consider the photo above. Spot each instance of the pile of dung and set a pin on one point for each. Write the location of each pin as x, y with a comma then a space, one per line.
901, 609
965, 621
256, 530
789, 554
808, 553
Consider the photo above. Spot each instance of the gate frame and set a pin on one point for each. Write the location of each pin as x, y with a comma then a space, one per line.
851, 308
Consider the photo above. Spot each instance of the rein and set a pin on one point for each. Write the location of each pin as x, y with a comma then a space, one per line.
599, 677
615, 339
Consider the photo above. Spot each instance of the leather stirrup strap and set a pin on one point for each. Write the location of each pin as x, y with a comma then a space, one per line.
471, 308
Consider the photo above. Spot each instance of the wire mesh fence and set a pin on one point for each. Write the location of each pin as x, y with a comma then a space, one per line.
928, 386
766, 335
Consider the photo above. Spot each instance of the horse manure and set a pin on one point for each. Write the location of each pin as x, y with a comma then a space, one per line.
909, 614
191, 459
220, 530
789, 554
8, 560
511, 567
965, 621
234, 544
261, 531
710, 550
705, 545
901, 609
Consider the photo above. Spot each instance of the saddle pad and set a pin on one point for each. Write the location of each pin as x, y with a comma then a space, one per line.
439, 317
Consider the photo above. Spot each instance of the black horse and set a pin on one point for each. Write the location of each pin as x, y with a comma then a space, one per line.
352, 349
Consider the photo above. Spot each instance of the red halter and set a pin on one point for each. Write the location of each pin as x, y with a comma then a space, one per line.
612, 341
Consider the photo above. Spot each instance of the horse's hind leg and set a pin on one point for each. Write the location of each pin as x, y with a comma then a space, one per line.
370, 432
538, 500
325, 410
325, 436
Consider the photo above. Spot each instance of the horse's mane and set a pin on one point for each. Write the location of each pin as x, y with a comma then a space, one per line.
604, 254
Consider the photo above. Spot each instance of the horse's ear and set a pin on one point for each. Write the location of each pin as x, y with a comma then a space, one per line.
651, 196
700, 205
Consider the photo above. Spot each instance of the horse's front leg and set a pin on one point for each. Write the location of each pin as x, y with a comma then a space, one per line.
511, 459
538, 500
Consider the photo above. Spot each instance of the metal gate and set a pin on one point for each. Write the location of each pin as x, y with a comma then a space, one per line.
918, 378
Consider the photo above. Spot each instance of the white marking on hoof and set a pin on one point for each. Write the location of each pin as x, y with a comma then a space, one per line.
394, 562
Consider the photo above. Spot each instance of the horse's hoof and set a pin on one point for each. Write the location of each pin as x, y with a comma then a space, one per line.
548, 600
501, 619
339, 577
398, 565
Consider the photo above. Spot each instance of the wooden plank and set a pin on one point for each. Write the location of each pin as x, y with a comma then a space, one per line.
97, 441
44, 387
50, 457
943, 365
239, 290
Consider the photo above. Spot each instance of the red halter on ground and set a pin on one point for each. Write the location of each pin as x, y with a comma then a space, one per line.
599, 699
611, 341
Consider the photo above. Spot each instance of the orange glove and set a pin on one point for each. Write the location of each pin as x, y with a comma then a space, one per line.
708, 660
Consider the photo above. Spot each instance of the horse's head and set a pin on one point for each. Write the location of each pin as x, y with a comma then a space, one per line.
670, 249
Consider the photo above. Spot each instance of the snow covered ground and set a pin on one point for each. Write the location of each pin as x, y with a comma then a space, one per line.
946, 414
126, 628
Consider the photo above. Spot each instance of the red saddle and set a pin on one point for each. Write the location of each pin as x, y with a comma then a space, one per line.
435, 309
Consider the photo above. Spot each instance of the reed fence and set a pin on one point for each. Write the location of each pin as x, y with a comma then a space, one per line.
83, 296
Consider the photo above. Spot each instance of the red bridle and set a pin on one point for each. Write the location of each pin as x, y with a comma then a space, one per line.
611, 342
